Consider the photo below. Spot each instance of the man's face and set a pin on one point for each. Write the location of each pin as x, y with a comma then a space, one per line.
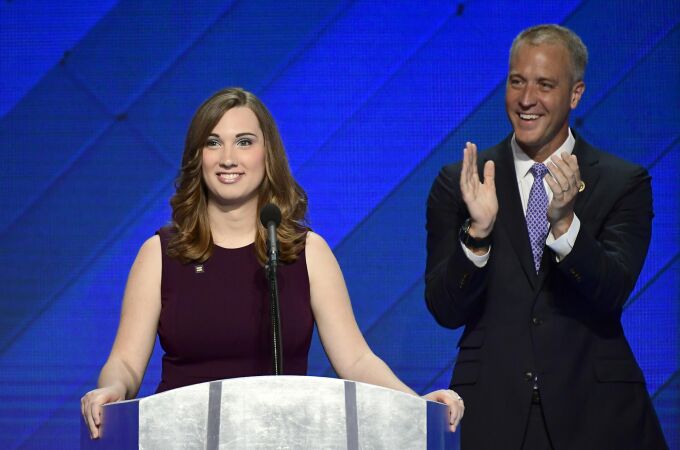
539, 96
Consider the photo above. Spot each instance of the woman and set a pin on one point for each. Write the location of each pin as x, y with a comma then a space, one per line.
199, 283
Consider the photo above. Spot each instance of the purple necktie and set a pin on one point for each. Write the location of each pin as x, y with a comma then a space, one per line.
537, 213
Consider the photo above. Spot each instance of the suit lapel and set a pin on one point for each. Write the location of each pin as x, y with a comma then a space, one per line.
510, 211
590, 173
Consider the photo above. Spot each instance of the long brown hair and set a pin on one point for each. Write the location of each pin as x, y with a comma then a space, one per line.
192, 240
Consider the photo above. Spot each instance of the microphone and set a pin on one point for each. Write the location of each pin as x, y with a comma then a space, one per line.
270, 216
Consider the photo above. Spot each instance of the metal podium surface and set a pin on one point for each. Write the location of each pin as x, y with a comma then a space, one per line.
274, 412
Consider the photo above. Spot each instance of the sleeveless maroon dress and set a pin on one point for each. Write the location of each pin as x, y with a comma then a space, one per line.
215, 321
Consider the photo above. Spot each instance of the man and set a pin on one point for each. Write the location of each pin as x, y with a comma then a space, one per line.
536, 258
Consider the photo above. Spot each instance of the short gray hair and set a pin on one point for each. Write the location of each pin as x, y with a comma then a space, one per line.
556, 34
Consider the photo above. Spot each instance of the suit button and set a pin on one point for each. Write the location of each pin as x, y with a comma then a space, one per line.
575, 274
463, 280
529, 376
536, 321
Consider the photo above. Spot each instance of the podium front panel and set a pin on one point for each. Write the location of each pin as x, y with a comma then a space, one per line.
173, 417
390, 419
285, 411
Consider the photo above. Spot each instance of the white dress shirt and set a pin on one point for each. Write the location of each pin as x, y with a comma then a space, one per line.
525, 179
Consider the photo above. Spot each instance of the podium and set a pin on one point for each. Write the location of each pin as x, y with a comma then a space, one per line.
274, 412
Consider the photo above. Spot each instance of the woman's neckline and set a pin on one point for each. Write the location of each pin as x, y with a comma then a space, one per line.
233, 248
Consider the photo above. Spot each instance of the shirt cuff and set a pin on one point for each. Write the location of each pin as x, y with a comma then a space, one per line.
563, 245
478, 260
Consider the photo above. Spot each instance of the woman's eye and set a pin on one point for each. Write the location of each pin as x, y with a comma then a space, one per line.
212, 143
244, 142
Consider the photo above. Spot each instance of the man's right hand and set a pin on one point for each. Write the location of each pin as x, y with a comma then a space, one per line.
480, 198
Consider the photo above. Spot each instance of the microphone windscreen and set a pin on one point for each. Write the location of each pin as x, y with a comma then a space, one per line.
270, 213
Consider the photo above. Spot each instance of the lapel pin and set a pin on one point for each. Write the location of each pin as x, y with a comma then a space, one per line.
199, 268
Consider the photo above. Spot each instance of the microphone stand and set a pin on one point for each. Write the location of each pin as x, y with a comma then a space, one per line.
277, 358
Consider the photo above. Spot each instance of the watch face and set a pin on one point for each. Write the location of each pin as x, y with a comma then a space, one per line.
463, 232
470, 241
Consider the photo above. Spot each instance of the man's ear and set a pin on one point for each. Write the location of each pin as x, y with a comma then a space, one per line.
576, 93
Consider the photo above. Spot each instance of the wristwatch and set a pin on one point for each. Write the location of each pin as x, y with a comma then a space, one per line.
471, 241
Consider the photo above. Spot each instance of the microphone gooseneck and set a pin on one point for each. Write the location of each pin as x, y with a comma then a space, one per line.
270, 217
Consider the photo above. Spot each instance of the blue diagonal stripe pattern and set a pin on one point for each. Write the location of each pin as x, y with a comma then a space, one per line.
371, 97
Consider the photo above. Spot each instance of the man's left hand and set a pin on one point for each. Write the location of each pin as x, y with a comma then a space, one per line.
564, 183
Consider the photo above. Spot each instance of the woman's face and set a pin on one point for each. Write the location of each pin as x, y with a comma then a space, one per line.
233, 159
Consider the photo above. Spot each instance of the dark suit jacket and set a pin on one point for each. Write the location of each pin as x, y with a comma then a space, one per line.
562, 325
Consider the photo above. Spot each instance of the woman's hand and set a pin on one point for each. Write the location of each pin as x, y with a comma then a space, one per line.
91, 406
453, 401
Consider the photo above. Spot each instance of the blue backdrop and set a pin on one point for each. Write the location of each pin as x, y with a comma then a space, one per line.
371, 97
